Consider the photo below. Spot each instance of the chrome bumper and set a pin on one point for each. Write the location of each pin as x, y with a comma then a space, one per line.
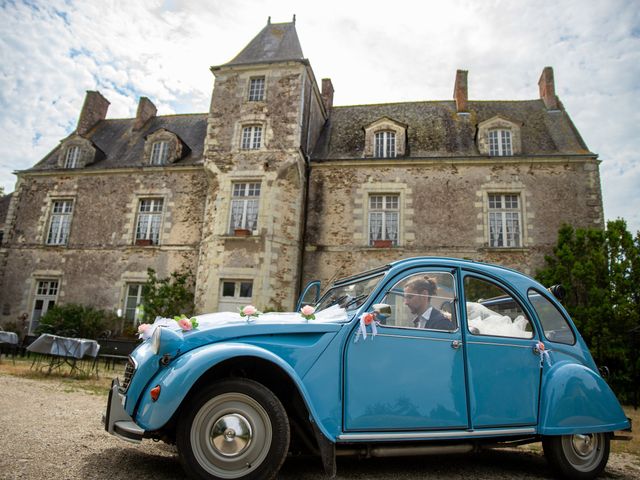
116, 420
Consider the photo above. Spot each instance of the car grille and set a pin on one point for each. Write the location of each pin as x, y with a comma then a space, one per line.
128, 374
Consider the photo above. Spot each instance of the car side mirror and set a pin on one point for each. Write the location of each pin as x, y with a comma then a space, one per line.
557, 291
382, 309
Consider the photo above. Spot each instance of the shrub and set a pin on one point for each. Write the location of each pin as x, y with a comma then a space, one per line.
167, 297
73, 320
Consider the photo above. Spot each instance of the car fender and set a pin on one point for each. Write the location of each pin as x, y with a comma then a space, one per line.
178, 378
575, 399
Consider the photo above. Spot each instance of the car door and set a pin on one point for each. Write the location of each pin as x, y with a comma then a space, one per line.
310, 295
503, 367
407, 377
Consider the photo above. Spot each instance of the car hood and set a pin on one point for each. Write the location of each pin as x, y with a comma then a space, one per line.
224, 326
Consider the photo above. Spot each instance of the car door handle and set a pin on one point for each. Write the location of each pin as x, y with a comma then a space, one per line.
456, 344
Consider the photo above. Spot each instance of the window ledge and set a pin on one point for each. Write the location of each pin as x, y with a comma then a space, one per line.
505, 249
227, 236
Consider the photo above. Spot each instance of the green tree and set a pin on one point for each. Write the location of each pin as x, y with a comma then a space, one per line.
167, 297
600, 272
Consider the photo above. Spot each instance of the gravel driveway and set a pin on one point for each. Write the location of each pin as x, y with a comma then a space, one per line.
48, 430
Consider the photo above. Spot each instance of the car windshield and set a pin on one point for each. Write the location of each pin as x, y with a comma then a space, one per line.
349, 296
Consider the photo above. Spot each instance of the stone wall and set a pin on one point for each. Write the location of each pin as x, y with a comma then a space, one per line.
100, 256
291, 117
444, 210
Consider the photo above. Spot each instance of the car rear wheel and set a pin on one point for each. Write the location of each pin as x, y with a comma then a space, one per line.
234, 429
580, 456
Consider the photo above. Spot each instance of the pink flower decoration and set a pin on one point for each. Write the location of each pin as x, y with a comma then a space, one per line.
185, 324
143, 327
307, 310
249, 310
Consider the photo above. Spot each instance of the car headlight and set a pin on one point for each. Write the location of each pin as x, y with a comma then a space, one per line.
155, 340
165, 340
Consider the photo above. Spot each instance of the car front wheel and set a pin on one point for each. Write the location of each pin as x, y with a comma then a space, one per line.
234, 429
580, 456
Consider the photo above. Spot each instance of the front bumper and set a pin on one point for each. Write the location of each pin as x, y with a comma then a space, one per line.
116, 420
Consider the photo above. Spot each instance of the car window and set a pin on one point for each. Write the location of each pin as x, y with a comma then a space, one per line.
554, 325
349, 296
493, 311
424, 300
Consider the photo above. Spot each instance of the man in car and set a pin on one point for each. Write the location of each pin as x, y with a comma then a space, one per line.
417, 297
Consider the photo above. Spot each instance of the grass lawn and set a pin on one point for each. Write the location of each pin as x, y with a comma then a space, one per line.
99, 385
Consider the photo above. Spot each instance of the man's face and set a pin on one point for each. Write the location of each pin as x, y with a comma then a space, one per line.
417, 302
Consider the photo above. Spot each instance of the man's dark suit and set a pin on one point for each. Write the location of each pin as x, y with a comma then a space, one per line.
437, 321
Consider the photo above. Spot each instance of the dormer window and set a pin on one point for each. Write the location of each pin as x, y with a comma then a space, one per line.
251, 137
159, 152
78, 152
385, 138
71, 160
499, 137
256, 89
163, 147
500, 142
385, 144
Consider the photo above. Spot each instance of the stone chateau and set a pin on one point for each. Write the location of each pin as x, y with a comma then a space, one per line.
276, 186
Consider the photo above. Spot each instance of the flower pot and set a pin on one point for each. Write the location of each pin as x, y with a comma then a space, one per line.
144, 242
382, 243
241, 232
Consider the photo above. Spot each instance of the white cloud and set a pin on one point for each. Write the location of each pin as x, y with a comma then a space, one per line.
373, 50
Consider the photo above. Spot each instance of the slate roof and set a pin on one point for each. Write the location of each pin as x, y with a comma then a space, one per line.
276, 42
124, 148
436, 130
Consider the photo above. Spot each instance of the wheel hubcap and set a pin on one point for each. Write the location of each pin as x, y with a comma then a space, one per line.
583, 445
583, 451
231, 435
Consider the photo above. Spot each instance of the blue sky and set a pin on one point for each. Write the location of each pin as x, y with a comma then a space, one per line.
374, 52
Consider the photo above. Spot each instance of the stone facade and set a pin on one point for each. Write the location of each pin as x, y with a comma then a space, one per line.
275, 186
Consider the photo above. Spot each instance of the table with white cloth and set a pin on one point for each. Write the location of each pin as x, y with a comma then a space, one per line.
8, 344
62, 351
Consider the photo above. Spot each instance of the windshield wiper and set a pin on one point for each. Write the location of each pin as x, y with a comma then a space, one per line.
337, 300
356, 299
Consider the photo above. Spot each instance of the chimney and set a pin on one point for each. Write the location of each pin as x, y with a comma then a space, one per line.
547, 88
327, 94
94, 109
146, 110
461, 92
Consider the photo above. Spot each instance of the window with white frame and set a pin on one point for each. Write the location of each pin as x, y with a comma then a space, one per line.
251, 137
239, 289
244, 206
384, 218
60, 222
235, 294
159, 152
499, 142
45, 298
132, 301
149, 220
385, 144
72, 157
504, 220
256, 89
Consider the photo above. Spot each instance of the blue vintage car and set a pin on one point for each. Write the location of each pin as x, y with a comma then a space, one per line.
421, 356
